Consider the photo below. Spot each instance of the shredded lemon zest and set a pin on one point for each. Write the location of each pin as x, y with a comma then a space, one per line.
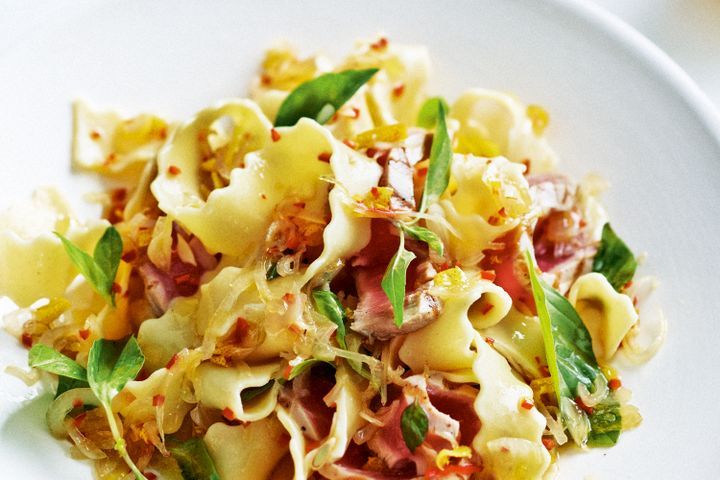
539, 118
385, 133
54, 308
443, 457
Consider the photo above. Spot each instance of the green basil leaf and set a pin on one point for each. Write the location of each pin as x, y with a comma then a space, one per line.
50, 360
66, 383
428, 115
321, 97
193, 459
569, 354
248, 394
328, 304
108, 252
304, 365
101, 268
605, 423
614, 259
438, 175
272, 272
111, 366
424, 235
414, 426
393, 281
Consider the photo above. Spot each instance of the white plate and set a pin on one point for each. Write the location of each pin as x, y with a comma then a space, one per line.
619, 107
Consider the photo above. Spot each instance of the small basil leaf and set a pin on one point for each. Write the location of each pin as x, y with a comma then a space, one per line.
570, 358
328, 304
108, 252
414, 426
248, 394
100, 269
393, 281
50, 360
321, 97
193, 459
110, 367
66, 383
605, 423
438, 175
614, 259
304, 365
428, 115
424, 235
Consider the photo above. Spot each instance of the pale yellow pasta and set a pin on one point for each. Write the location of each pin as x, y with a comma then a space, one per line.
446, 344
220, 387
106, 140
490, 198
494, 123
607, 314
33, 262
505, 421
246, 451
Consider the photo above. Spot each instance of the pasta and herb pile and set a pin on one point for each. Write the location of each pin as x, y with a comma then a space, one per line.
340, 277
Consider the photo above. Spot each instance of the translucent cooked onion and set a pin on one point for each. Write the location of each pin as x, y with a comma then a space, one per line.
577, 422
637, 353
630, 416
64, 404
29, 378
86, 446
288, 265
600, 391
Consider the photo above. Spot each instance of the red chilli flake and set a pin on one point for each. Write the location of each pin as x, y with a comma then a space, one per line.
583, 407
116, 288
173, 360
488, 275
398, 90
502, 212
487, 308
84, 333
275, 135
26, 340
265, 79
493, 220
158, 400
150, 476
381, 44
288, 298
627, 285
548, 443
614, 384
128, 257
544, 371
287, 371
350, 143
228, 414
527, 405
95, 135
371, 152
242, 327
263, 196
173, 170
77, 403
490, 340
325, 157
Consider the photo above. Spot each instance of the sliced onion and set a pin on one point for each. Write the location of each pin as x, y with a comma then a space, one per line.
578, 424
64, 404
86, 446
641, 354
600, 391
630, 416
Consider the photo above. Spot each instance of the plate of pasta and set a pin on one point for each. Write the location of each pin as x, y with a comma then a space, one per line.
313, 256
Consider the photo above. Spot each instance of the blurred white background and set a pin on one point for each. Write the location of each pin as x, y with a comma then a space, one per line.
687, 30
